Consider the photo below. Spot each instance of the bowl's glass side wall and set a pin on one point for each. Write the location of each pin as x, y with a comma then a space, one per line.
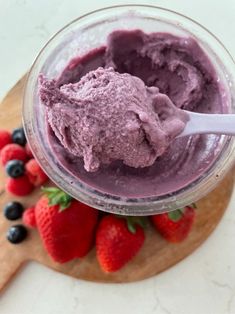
90, 32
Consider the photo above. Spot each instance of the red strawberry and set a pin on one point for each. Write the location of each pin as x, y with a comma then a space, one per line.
176, 225
66, 226
12, 151
20, 186
5, 138
28, 151
29, 218
35, 173
118, 240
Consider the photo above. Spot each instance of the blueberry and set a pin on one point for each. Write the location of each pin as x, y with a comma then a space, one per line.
15, 168
16, 234
13, 210
18, 136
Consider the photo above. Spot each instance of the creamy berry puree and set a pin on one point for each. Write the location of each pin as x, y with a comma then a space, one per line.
114, 114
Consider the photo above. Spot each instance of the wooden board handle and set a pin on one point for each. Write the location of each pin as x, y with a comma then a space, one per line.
11, 260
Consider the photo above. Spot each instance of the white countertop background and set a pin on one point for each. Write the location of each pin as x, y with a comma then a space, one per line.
204, 283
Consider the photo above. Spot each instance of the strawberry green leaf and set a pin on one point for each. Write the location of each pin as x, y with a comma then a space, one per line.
175, 215
131, 226
133, 221
63, 206
57, 197
49, 189
141, 221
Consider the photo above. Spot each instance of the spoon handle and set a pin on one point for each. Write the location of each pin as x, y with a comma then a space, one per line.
202, 123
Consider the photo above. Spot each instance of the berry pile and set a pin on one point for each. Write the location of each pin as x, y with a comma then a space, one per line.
23, 170
68, 228
24, 174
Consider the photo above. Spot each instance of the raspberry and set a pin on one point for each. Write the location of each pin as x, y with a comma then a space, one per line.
5, 138
29, 217
12, 151
19, 186
35, 174
28, 151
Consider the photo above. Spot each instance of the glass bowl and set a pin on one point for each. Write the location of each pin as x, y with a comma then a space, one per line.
88, 32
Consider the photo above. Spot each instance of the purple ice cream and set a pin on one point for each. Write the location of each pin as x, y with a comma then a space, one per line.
171, 70
108, 116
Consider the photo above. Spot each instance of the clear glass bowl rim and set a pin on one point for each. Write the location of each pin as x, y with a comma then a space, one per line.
142, 206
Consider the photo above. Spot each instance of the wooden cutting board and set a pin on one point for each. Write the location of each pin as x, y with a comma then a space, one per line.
156, 255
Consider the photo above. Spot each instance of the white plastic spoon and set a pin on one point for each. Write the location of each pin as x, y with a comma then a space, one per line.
202, 123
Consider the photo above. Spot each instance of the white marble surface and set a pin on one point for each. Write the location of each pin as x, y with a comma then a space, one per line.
204, 283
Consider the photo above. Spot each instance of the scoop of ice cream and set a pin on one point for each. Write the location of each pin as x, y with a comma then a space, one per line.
109, 116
